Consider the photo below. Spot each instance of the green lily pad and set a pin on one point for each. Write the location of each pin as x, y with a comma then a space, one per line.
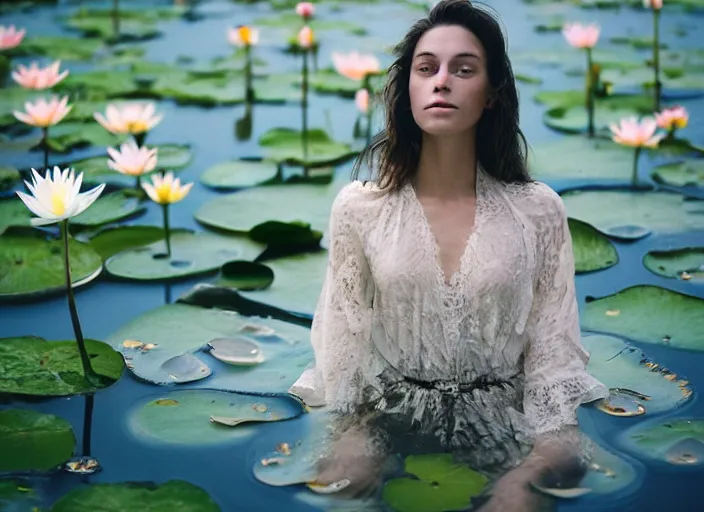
172, 157
13, 212
299, 202
648, 314
72, 134
172, 495
574, 98
285, 145
575, 119
592, 250
440, 485
20, 144
110, 208
582, 158
60, 47
673, 263
607, 473
292, 20
297, 284
102, 27
331, 82
573, 62
278, 235
659, 212
681, 174
675, 78
114, 240
619, 365
679, 442
637, 42
35, 366
9, 176
18, 495
33, 441
245, 275
239, 174
191, 254
32, 266
181, 328
100, 83
185, 88
184, 417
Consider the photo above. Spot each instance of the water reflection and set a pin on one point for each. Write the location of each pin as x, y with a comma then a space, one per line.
243, 125
85, 463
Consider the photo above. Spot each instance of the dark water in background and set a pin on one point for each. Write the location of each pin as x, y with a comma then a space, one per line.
226, 472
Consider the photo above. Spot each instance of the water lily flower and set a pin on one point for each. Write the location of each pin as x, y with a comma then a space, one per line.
166, 190
673, 118
581, 36
43, 113
132, 160
638, 135
57, 198
361, 99
132, 118
10, 37
243, 36
306, 37
652, 4
305, 9
354, 65
34, 77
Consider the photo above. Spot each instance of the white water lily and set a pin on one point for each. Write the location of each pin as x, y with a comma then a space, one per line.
57, 198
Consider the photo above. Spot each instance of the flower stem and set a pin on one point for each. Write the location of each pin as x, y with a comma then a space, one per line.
45, 145
88, 371
116, 18
634, 177
367, 85
656, 58
167, 232
304, 110
249, 91
139, 138
590, 94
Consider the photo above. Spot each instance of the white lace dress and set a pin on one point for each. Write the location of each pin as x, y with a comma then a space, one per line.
490, 359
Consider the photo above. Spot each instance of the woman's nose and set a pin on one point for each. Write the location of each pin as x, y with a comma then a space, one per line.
442, 78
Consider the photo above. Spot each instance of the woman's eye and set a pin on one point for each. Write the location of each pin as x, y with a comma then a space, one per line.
464, 71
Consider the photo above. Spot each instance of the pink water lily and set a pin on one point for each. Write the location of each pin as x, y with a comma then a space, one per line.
361, 99
652, 4
34, 77
132, 118
10, 37
305, 9
243, 36
672, 118
580, 35
354, 65
631, 132
43, 113
306, 38
132, 160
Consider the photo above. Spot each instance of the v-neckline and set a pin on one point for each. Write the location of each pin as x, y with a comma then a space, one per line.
430, 235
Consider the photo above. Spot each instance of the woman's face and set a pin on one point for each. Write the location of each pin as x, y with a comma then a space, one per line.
449, 86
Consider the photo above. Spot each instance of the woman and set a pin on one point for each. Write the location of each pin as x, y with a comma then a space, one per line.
449, 309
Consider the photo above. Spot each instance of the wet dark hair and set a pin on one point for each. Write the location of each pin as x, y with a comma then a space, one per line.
501, 146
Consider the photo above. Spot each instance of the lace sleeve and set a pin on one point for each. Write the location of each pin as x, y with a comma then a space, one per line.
340, 333
555, 361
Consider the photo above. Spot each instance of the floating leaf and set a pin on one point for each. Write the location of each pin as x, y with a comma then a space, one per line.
575, 98
441, 485
688, 173
35, 366
242, 211
624, 367
181, 328
13, 212
285, 234
649, 314
245, 275
69, 135
32, 441
285, 145
627, 232
677, 263
60, 47
9, 176
185, 368
575, 119
671, 78
110, 208
31, 266
582, 158
291, 19
189, 420
240, 351
679, 442
331, 82
185, 88
111, 241
118, 497
592, 250
239, 174
191, 254
660, 212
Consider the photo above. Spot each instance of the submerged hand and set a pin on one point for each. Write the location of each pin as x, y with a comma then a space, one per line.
512, 493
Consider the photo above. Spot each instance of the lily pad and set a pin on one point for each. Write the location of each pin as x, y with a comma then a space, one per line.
99, 83
649, 314
239, 174
581, 158
291, 19
331, 82
660, 212
575, 120
285, 234
18, 495
292, 466
679, 442
242, 211
575, 98
111, 241
185, 417
440, 485
297, 285
677, 263
33, 441
679, 79
60, 47
239, 351
117, 497
622, 366
592, 250
689, 173
35, 366
285, 145
72, 134
185, 368
191, 254
185, 88
102, 27
245, 275
13, 212
110, 208
32, 266
172, 157
180, 328
9, 176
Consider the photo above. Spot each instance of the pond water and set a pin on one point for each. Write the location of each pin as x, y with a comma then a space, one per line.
224, 469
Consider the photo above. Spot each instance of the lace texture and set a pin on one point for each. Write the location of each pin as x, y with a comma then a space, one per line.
509, 312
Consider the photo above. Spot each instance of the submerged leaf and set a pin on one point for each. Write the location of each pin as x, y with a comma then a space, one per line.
687, 263
592, 250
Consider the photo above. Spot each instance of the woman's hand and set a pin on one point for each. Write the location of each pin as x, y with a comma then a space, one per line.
512, 493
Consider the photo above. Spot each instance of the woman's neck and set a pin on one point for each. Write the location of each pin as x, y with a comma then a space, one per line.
447, 167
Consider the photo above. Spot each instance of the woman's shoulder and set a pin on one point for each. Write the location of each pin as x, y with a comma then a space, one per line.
358, 198
538, 201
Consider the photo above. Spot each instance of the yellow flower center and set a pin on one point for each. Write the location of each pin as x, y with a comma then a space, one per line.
164, 194
245, 34
138, 126
58, 202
